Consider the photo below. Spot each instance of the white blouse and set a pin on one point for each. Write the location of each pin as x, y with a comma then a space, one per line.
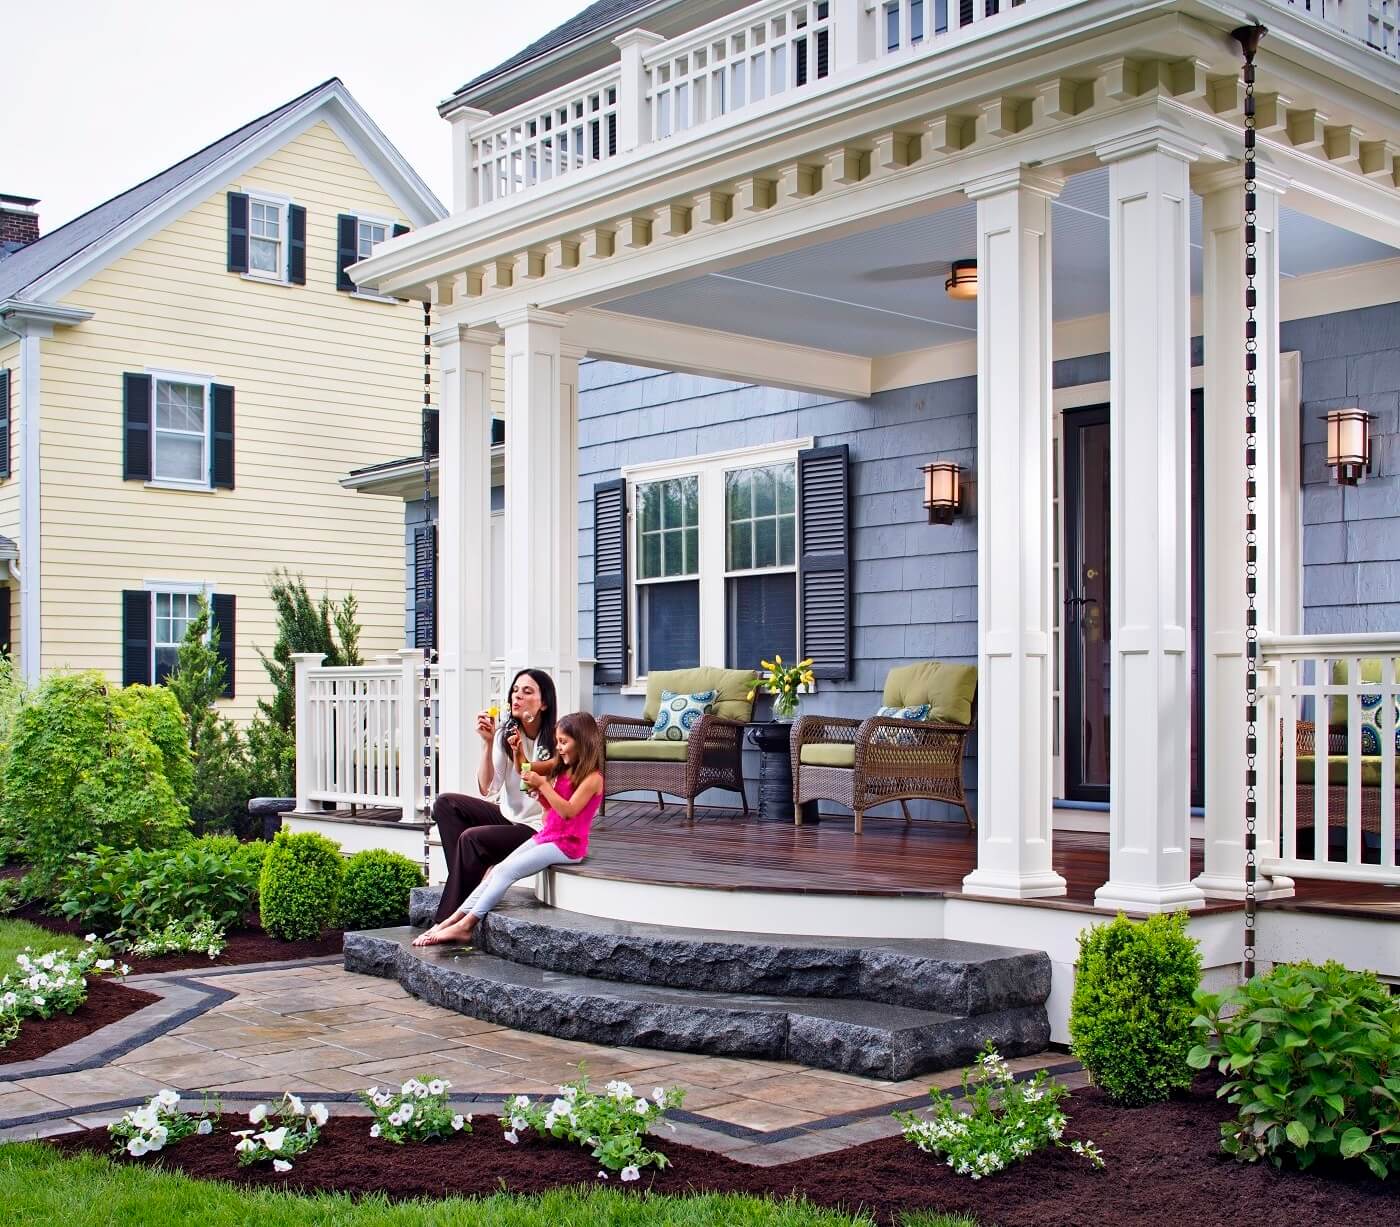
506, 786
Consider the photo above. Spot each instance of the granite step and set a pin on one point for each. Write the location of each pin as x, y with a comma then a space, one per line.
953, 977
871, 1038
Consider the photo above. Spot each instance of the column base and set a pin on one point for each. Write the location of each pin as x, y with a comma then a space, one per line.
1218, 886
1136, 897
997, 885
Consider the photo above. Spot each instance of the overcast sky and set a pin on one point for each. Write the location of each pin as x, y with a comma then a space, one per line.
101, 94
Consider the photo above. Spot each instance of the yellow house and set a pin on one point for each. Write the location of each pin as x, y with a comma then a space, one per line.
186, 372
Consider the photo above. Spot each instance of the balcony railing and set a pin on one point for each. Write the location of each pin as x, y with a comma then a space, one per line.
1331, 711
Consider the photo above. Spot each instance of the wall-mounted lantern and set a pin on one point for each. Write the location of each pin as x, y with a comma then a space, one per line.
962, 279
1348, 444
942, 491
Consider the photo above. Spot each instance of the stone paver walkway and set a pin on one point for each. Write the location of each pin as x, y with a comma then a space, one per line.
318, 1029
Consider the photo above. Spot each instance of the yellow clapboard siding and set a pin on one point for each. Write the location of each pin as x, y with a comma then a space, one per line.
324, 383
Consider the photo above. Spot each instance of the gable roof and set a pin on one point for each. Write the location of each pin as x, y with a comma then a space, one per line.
90, 235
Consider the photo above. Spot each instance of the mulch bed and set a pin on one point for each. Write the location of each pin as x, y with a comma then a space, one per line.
107, 1002
1164, 1168
246, 945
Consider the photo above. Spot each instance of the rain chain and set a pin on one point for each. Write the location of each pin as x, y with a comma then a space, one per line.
431, 588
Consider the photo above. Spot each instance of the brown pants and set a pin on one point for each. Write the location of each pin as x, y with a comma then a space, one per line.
475, 835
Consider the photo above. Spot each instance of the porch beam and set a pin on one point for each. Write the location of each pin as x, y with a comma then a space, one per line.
1223, 565
464, 534
640, 341
540, 603
1150, 553
1014, 546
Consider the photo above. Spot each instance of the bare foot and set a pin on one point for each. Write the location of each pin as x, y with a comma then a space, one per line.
451, 931
429, 937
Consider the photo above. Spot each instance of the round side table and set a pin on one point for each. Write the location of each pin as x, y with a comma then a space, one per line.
773, 740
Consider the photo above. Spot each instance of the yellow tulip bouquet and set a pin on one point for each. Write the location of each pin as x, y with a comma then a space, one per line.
782, 682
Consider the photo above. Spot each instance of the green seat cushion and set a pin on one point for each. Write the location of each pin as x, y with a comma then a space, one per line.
1337, 770
828, 754
646, 751
732, 687
947, 689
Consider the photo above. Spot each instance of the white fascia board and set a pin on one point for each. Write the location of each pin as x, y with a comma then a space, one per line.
405, 480
703, 351
16, 312
332, 104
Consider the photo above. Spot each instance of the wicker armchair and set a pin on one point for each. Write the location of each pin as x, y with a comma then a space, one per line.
861, 763
712, 757
1306, 795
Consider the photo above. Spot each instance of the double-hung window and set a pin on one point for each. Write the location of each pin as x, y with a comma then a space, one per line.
370, 231
180, 440
714, 549
172, 613
267, 236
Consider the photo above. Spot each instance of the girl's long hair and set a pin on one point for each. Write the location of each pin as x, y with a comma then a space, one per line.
545, 742
588, 745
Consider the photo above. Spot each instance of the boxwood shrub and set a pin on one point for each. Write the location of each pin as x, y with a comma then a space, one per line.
1132, 1009
375, 891
300, 885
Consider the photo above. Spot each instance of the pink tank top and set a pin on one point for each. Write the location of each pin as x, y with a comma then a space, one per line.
571, 834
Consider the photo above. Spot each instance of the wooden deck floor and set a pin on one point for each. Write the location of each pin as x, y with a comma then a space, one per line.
722, 849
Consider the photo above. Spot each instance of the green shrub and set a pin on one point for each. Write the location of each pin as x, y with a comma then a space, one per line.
137, 892
375, 891
91, 766
300, 885
1312, 1055
12, 697
1130, 1016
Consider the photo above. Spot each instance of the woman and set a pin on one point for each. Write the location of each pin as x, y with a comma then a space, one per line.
478, 832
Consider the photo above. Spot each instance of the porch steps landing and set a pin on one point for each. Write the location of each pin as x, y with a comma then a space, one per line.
887, 1009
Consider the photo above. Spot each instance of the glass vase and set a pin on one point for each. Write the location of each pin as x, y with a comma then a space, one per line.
784, 708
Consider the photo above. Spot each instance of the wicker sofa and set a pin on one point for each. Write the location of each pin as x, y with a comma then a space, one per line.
860, 763
712, 757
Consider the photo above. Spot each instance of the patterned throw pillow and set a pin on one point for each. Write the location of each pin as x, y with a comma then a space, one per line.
679, 713
1371, 725
900, 737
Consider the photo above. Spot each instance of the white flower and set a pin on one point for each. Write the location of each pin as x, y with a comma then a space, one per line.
246, 1144
274, 1138
258, 1114
641, 1107
123, 969
602, 1175
204, 1127
319, 1113
105, 964
91, 937
242, 1133
382, 1099
143, 1118
658, 1094
159, 1136
373, 1093
511, 1136
38, 1000
570, 1092
409, 1087
137, 1147
437, 1086
562, 1107
457, 1122
281, 1165
620, 1090
168, 1098
374, 1131
521, 1101
295, 1104
518, 1123
631, 1172
406, 1111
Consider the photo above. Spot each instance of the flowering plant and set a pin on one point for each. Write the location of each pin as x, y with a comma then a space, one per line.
158, 1124
289, 1130
179, 936
1008, 1120
417, 1112
611, 1125
43, 985
782, 682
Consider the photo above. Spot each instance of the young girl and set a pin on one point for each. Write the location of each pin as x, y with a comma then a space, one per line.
570, 803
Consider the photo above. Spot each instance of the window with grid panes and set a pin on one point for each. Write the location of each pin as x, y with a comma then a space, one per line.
174, 611
370, 233
181, 438
760, 564
667, 516
265, 235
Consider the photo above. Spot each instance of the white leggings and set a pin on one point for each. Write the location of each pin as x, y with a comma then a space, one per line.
526, 860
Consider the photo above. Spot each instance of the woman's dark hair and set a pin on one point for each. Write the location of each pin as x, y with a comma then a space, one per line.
583, 730
544, 743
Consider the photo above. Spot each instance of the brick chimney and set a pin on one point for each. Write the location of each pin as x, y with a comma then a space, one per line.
19, 223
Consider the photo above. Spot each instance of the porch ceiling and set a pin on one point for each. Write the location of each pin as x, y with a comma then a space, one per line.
881, 292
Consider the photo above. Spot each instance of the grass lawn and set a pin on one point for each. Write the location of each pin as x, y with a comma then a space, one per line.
43, 1187
15, 935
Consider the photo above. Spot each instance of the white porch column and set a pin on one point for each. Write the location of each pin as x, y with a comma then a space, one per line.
464, 548
541, 515
1014, 436
464, 186
1150, 556
633, 110
1223, 570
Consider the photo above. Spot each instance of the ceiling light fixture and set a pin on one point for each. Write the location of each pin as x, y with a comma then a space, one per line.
962, 279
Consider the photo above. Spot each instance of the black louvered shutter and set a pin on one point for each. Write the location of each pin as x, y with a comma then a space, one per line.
237, 232
347, 249
425, 562
223, 613
136, 638
610, 582
136, 427
824, 559
432, 432
5, 431
296, 248
221, 437
399, 228
5, 616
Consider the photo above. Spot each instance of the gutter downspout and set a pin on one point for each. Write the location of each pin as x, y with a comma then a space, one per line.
30, 533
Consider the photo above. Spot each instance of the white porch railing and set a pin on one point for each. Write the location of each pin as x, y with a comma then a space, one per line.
1330, 707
